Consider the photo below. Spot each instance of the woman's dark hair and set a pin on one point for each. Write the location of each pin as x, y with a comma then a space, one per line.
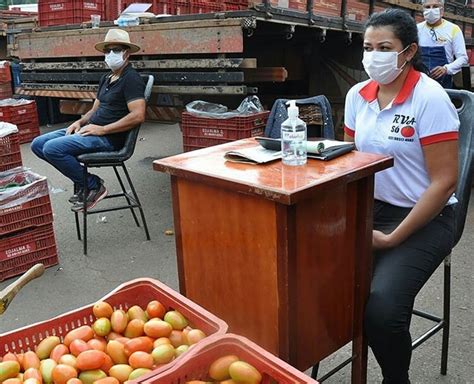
403, 27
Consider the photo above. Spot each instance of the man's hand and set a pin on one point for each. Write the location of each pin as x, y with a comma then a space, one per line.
381, 240
73, 128
437, 72
92, 130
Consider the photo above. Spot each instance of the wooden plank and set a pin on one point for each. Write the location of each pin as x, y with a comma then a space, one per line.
264, 74
146, 64
200, 37
65, 90
160, 77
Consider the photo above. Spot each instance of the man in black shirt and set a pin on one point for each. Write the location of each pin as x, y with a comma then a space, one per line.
119, 107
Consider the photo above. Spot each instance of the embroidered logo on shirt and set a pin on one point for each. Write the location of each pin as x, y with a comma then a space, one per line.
402, 128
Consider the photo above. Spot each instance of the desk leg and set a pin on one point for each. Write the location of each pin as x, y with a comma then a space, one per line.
363, 192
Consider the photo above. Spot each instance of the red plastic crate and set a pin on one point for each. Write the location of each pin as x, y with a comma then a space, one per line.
200, 6
158, 6
55, 12
64, 12
15, 112
6, 90
24, 207
28, 131
195, 364
10, 155
201, 132
5, 72
135, 292
20, 252
182, 7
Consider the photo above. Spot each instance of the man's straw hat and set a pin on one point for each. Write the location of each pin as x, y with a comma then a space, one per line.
117, 36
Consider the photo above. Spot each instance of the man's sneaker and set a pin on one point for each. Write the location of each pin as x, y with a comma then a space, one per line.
78, 196
94, 196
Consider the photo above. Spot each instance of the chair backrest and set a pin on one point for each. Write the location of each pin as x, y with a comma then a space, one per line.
466, 156
130, 141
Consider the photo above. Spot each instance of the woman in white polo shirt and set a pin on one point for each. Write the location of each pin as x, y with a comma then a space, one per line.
404, 113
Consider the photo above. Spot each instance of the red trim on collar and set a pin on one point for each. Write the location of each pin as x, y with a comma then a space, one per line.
408, 86
439, 137
369, 91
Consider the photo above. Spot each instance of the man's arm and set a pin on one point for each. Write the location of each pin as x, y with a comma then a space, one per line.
459, 50
135, 116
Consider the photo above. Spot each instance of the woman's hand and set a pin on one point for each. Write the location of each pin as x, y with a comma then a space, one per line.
381, 240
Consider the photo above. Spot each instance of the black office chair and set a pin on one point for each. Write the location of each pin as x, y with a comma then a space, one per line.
463, 193
115, 159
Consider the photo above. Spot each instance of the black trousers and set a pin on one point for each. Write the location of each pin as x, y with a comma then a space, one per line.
398, 275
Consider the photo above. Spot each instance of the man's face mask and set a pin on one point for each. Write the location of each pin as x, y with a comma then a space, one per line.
432, 15
382, 67
114, 59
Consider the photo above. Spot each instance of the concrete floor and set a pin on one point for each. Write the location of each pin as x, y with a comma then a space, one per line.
118, 252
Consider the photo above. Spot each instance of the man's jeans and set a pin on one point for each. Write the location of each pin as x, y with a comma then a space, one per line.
60, 150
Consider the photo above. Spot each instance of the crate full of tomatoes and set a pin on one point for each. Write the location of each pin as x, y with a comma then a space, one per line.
228, 359
140, 326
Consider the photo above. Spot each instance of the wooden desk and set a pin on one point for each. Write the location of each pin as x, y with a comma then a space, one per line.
282, 254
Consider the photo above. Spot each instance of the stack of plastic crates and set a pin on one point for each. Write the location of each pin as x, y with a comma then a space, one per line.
201, 132
5, 80
65, 12
23, 114
10, 155
135, 292
26, 229
195, 364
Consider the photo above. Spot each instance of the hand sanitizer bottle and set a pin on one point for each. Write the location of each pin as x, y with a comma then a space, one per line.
293, 137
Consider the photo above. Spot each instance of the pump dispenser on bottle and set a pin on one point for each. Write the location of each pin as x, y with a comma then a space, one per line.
293, 137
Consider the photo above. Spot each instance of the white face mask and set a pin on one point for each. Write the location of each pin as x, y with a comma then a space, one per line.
382, 67
432, 15
114, 60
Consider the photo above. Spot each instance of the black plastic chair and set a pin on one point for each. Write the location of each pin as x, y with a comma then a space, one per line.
115, 160
463, 193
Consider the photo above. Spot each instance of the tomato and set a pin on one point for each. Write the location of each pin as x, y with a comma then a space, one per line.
68, 359
58, 351
102, 309
44, 348
163, 354
194, 336
155, 309
33, 373
62, 373
83, 333
102, 326
157, 328
219, 369
9, 370
30, 360
119, 321
98, 344
116, 351
77, 346
140, 359
176, 319
134, 328
90, 360
241, 371
144, 344
46, 369
107, 380
121, 372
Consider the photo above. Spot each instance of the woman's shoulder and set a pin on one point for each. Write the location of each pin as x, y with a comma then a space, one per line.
429, 91
354, 91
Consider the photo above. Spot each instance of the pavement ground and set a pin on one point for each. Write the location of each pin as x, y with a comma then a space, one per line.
118, 253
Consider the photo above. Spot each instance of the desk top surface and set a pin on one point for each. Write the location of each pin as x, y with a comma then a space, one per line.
274, 181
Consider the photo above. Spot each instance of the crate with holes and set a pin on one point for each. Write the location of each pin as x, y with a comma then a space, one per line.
206, 124
228, 357
10, 155
139, 326
5, 80
26, 229
23, 113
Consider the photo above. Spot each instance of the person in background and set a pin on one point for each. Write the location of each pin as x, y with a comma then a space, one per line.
119, 107
442, 44
403, 113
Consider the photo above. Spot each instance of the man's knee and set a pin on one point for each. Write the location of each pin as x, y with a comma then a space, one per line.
37, 146
53, 149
